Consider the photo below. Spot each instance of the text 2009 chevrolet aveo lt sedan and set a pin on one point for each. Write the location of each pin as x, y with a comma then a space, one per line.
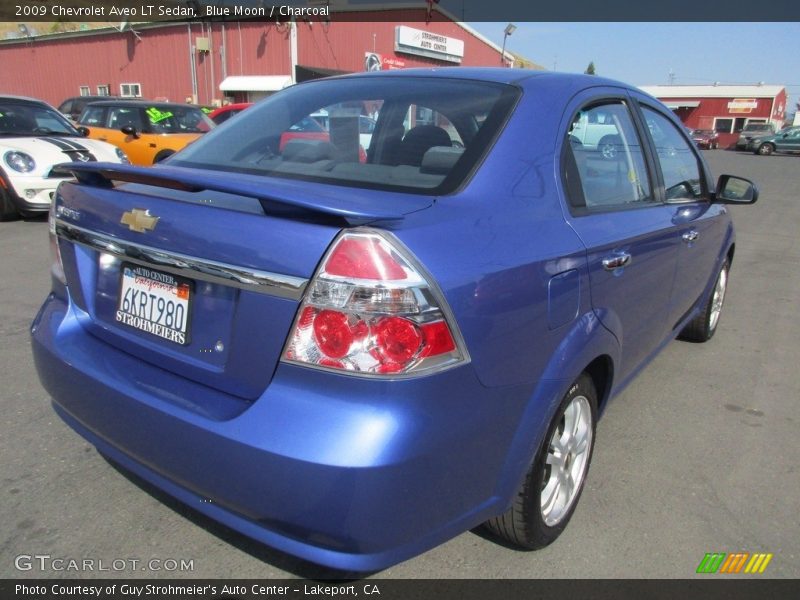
355, 361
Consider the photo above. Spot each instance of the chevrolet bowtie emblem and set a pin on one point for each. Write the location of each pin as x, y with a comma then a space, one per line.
139, 220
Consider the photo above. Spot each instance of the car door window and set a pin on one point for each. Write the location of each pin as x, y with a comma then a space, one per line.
124, 117
605, 167
679, 166
93, 116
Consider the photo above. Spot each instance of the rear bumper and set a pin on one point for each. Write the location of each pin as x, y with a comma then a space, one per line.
352, 474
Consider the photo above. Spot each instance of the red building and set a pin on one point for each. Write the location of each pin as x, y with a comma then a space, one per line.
723, 108
245, 60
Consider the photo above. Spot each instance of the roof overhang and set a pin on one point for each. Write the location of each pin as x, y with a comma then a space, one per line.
683, 104
255, 83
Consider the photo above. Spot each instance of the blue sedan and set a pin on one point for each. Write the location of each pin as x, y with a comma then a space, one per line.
355, 358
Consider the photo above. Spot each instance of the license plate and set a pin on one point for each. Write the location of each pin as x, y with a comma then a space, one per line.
155, 302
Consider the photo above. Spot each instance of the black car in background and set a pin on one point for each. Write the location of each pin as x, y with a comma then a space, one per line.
73, 107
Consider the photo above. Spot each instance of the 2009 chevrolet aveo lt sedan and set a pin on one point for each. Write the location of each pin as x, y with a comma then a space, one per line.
355, 361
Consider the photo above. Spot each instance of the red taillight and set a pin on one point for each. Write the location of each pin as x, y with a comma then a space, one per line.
397, 339
332, 333
370, 310
363, 258
437, 339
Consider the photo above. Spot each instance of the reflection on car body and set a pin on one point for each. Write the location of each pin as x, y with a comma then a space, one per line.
355, 358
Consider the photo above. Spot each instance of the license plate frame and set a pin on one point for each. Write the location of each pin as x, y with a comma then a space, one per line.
140, 289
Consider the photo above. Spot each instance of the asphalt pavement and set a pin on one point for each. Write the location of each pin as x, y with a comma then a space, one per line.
697, 455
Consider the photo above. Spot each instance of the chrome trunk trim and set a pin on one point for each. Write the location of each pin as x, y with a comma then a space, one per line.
272, 284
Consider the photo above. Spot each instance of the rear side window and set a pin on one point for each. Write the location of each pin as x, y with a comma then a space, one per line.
407, 134
679, 165
605, 166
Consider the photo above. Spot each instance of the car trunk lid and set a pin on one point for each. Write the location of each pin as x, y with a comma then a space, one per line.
228, 255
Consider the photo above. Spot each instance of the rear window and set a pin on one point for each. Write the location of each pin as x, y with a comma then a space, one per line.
423, 135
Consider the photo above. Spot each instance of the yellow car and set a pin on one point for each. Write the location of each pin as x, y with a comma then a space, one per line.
148, 132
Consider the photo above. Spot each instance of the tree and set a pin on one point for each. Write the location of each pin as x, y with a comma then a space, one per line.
590, 69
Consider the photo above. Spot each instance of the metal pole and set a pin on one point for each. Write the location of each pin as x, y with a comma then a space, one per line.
192, 65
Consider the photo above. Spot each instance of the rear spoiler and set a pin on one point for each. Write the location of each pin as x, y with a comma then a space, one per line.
354, 205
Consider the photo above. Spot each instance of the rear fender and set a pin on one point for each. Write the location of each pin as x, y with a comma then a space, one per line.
725, 254
586, 340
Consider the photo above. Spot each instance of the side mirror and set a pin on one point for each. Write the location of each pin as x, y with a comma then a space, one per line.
84, 131
735, 190
129, 130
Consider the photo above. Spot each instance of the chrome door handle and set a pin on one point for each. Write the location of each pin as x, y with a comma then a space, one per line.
617, 261
690, 236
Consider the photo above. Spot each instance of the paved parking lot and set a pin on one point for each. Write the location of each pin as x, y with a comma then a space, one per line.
698, 455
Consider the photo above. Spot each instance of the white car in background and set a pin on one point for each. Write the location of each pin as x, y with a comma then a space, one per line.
34, 138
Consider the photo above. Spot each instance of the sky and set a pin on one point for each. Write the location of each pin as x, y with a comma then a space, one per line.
646, 53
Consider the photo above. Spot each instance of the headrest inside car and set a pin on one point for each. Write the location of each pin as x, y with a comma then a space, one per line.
308, 151
440, 159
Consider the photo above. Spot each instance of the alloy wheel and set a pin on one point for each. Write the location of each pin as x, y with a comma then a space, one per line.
717, 299
567, 461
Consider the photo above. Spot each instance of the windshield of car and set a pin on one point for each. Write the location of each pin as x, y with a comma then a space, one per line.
758, 127
171, 118
417, 134
31, 119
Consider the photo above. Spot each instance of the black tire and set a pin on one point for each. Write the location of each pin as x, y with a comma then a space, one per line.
765, 149
162, 155
8, 212
703, 326
524, 524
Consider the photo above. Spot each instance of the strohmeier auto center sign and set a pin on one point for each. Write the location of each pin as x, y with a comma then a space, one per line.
742, 105
425, 43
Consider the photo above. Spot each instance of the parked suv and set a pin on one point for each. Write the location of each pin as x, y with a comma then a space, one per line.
752, 130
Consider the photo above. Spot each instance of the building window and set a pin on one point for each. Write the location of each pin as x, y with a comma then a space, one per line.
738, 124
84, 89
103, 90
723, 125
130, 90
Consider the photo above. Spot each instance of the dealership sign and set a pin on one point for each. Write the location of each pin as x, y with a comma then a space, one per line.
742, 105
425, 43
